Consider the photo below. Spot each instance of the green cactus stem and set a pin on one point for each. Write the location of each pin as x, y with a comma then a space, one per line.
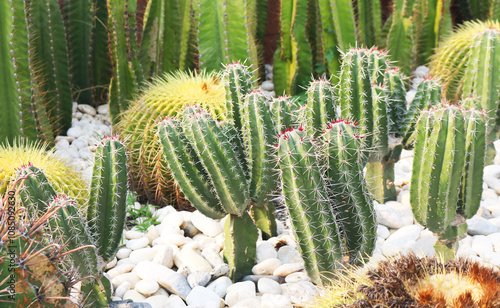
369, 21
292, 60
396, 108
224, 33
306, 198
240, 245
437, 172
108, 190
189, 176
217, 155
281, 109
344, 153
50, 54
321, 106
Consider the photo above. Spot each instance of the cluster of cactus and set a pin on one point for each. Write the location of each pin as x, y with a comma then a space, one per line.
449, 158
226, 167
57, 230
325, 193
168, 96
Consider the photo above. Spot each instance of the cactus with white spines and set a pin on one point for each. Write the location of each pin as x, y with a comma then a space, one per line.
237, 81
395, 84
321, 106
281, 109
428, 94
443, 193
106, 208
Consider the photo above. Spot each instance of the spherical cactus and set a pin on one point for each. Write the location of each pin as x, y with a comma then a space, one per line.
63, 177
163, 97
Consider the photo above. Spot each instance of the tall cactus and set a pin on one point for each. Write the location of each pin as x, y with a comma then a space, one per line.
369, 21
292, 60
224, 33
321, 106
107, 203
50, 56
21, 117
438, 178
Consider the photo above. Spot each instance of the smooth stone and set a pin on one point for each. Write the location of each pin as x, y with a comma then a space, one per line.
152, 234
383, 232
123, 253
157, 301
421, 71
143, 254
103, 109
148, 270
203, 297
147, 287
137, 243
221, 270
173, 219
161, 291
133, 234
495, 221
424, 246
265, 250
174, 301
489, 194
112, 264
267, 86
239, 292
255, 278
496, 213
392, 249
122, 289
299, 292
198, 278
288, 254
495, 259
167, 230
87, 109
288, 268
388, 216
464, 251
206, 225
266, 267
247, 303
123, 261
194, 260
172, 239
404, 210
482, 245
266, 285
164, 256
130, 277
120, 269
410, 95
495, 241
219, 286
479, 226
189, 229
174, 283
296, 277
274, 301
80, 143
405, 234
75, 132
484, 212
211, 254
134, 295
67, 138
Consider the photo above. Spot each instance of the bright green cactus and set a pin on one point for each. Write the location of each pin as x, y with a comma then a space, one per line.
428, 94
321, 106
163, 97
395, 84
449, 141
317, 174
106, 208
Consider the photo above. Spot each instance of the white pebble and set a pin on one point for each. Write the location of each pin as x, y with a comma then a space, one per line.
147, 287
138, 243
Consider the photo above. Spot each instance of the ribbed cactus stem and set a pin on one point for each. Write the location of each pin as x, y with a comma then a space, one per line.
259, 133
396, 92
186, 170
321, 106
238, 83
240, 245
428, 94
281, 109
108, 190
437, 170
475, 137
217, 155
344, 155
306, 198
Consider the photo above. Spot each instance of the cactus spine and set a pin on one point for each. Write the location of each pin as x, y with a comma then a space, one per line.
438, 171
107, 203
306, 199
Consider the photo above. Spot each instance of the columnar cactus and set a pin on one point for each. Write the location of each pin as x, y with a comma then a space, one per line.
395, 84
106, 208
321, 106
331, 210
438, 178
428, 94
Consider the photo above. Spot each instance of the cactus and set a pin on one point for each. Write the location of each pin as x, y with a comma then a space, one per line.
438, 178
428, 94
86, 22
321, 106
292, 59
50, 55
369, 21
281, 109
396, 108
66, 226
106, 207
224, 33
164, 97
127, 70
63, 177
